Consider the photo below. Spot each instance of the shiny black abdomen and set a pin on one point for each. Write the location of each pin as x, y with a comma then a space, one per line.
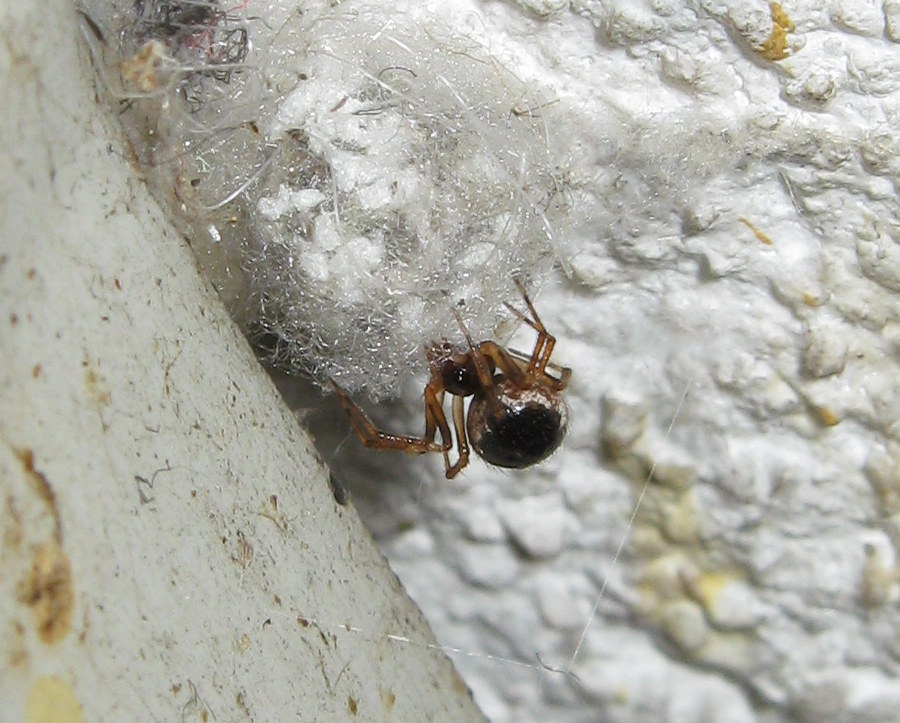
516, 432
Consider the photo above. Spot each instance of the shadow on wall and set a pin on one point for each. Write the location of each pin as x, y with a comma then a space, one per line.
386, 488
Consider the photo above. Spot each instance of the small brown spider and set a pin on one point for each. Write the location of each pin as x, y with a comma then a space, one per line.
516, 418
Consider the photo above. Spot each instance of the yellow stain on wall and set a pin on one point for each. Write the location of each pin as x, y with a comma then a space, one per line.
52, 700
812, 300
826, 416
776, 45
756, 232
708, 585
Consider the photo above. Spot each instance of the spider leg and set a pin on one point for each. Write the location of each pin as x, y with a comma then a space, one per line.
559, 382
521, 287
431, 421
374, 438
543, 346
435, 417
564, 374
540, 351
485, 378
462, 444
506, 363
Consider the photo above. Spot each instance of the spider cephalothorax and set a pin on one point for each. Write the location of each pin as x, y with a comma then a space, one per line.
516, 418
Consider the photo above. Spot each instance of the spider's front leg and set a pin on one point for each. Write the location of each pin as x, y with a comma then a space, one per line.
435, 421
539, 359
543, 346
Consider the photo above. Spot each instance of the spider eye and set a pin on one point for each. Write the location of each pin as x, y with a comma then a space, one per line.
517, 428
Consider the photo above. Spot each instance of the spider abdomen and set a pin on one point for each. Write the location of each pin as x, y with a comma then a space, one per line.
516, 428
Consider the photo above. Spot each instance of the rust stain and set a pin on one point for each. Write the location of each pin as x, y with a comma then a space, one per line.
48, 591
244, 554
96, 385
351, 705
15, 645
41, 485
388, 699
756, 232
776, 45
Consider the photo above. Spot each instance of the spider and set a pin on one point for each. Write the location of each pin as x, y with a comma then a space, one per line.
516, 418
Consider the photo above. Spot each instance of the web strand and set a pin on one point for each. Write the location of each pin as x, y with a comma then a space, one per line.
625, 535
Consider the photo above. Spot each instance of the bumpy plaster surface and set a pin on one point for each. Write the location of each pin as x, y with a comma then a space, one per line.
732, 318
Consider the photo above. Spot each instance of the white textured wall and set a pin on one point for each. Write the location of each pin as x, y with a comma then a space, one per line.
757, 371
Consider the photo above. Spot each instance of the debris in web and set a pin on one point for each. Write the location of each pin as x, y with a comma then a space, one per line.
347, 176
